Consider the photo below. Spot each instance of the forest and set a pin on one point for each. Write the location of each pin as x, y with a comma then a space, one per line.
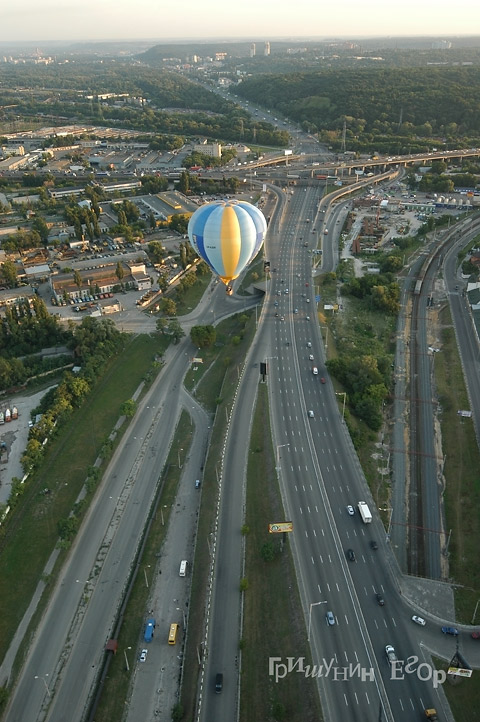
405, 106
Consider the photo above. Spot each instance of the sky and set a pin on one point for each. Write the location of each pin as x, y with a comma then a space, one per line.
166, 21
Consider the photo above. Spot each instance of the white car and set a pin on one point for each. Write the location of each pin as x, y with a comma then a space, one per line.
143, 655
315, 371
311, 414
390, 652
310, 358
418, 620
350, 510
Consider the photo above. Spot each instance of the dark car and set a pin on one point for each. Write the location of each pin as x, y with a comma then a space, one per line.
351, 555
373, 544
450, 630
218, 683
380, 599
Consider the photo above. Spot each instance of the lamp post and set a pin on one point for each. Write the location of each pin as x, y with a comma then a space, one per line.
390, 509
475, 612
279, 446
342, 393
326, 337
179, 464
126, 659
38, 676
313, 604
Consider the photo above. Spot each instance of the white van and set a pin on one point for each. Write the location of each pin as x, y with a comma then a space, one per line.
183, 568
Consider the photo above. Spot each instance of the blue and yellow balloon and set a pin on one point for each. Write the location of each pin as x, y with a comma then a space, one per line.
227, 235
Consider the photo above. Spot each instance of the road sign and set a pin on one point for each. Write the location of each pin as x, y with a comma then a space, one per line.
280, 527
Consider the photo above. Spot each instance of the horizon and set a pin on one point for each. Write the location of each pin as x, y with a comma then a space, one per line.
212, 21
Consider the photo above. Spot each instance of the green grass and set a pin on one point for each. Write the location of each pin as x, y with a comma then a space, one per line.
273, 619
31, 534
462, 473
462, 696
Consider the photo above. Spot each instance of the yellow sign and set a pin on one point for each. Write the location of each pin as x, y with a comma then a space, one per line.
197, 360
280, 527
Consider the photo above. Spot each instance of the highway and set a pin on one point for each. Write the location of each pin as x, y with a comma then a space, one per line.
69, 645
320, 476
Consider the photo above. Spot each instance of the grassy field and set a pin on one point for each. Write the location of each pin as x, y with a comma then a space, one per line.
273, 619
462, 694
462, 473
31, 533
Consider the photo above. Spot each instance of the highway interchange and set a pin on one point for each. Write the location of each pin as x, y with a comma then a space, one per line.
319, 475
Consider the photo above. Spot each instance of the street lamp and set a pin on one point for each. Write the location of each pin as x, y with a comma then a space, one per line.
279, 446
390, 509
184, 617
326, 337
126, 659
313, 604
179, 464
38, 676
342, 393
475, 612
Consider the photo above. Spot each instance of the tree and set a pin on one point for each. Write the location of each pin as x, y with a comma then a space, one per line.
9, 273
168, 307
120, 271
39, 225
77, 279
128, 408
175, 330
203, 336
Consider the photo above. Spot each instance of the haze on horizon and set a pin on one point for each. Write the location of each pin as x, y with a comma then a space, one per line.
83, 20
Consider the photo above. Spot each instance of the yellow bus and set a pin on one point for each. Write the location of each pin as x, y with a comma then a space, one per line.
172, 635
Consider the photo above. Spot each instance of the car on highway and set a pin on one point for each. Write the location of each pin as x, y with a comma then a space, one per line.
311, 414
218, 682
309, 344
330, 618
307, 318
310, 358
350, 510
418, 620
450, 630
351, 555
390, 652
197, 483
475, 635
323, 380
143, 655
315, 371
380, 599
373, 545
282, 318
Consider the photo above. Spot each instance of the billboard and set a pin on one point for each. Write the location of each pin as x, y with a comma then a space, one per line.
280, 527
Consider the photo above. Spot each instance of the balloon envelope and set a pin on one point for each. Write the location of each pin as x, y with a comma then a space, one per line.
227, 235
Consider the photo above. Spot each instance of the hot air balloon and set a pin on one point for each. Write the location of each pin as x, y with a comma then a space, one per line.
227, 235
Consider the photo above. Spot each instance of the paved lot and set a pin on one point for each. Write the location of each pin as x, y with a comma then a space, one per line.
15, 435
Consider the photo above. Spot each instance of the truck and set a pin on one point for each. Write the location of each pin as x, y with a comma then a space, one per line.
149, 630
364, 512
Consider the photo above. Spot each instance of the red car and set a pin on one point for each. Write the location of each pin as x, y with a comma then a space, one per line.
323, 380
475, 635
